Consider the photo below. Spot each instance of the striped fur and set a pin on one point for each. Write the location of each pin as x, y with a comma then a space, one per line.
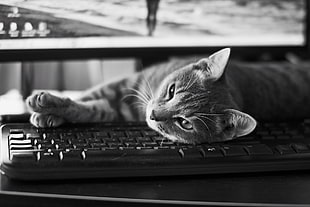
208, 103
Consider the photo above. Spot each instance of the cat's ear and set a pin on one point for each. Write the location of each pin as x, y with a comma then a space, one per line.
239, 123
216, 63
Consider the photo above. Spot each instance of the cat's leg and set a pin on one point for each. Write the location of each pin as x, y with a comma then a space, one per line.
117, 101
51, 111
46, 120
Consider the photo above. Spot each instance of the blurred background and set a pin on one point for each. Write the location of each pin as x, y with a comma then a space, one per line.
138, 23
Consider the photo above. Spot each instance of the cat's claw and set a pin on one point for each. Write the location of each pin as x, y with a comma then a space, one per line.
45, 120
44, 102
38, 101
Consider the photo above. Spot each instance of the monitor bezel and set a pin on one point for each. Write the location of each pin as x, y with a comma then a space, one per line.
149, 52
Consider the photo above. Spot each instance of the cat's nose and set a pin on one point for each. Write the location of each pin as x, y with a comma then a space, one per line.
152, 116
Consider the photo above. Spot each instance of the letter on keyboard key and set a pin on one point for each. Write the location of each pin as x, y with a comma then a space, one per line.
47, 157
211, 151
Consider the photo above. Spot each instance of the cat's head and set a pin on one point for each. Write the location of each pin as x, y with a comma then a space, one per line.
194, 104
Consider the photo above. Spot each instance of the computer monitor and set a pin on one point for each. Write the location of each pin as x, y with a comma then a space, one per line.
66, 29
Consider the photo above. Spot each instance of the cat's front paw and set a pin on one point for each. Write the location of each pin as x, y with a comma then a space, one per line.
44, 102
45, 120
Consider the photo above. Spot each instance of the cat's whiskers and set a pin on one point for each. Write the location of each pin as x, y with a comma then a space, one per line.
206, 116
139, 95
188, 83
191, 82
139, 105
204, 124
162, 141
148, 86
145, 92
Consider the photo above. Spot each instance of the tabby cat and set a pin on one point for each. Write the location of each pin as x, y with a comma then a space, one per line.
194, 102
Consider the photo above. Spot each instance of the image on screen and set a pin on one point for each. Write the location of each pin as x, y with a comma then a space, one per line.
44, 24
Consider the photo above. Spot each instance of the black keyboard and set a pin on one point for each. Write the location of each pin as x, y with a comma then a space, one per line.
132, 149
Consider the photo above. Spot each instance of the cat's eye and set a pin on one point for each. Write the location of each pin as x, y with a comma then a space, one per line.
185, 124
171, 91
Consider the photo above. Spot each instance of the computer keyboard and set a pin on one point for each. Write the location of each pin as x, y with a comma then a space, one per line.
132, 149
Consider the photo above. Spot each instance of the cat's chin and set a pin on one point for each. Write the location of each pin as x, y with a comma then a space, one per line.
155, 126
158, 128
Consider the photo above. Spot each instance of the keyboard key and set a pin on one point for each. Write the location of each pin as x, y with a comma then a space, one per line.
21, 147
150, 133
167, 144
46, 146
268, 137
16, 131
134, 134
22, 158
306, 122
98, 145
307, 130
94, 140
47, 157
101, 134
115, 139
117, 134
300, 148
132, 144
16, 136
298, 136
73, 156
80, 146
78, 141
262, 132
283, 137
211, 151
230, 151
67, 136
276, 132
292, 131
246, 138
32, 136
285, 149
151, 144
260, 149
196, 153
20, 141
157, 155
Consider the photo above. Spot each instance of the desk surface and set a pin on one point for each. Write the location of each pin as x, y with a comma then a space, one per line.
250, 189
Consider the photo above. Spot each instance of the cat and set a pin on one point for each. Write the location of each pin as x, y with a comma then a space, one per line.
203, 101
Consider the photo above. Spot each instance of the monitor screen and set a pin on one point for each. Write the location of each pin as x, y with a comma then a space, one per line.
70, 25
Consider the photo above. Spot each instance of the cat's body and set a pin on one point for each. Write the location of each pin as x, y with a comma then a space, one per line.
272, 91
194, 102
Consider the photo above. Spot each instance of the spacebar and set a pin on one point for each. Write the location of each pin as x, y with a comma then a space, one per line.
133, 155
